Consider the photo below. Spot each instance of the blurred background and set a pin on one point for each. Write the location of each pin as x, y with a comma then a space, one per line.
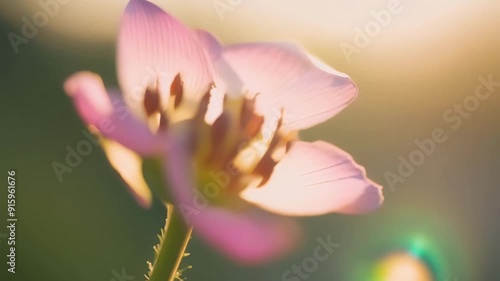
439, 223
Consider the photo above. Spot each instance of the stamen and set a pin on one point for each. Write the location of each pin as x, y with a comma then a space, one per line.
265, 166
249, 157
250, 122
177, 90
265, 169
219, 129
253, 126
163, 126
246, 112
152, 100
154, 121
218, 133
203, 106
240, 143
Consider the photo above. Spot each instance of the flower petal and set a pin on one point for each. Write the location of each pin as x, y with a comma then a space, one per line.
314, 179
210, 44
110, 116
246, 236
153, 47
284, 76
224, 76
129, 166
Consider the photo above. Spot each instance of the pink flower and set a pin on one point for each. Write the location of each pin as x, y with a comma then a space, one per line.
225, 121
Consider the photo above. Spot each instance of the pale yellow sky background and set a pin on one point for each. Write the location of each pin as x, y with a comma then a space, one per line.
418, 30
316, 22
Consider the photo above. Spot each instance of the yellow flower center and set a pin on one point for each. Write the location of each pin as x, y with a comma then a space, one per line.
233, 153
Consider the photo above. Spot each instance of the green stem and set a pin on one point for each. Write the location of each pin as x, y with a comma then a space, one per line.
172, 247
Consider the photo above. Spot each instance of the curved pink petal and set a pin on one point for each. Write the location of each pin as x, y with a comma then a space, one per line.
210, 44
153, 47
246, 235
314, 179
224, 76
110, 116
284, 76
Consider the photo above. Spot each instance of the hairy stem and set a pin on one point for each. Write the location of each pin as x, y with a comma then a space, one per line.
171, 249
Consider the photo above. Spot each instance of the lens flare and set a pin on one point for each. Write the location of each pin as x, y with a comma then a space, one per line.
413, 260
402, 266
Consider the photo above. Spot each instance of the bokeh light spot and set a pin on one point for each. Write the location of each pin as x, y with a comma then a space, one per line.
402, 266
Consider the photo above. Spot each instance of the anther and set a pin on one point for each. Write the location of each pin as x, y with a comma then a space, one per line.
151, 100
177, 90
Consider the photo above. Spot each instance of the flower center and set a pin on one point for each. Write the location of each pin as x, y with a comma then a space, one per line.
234, 152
